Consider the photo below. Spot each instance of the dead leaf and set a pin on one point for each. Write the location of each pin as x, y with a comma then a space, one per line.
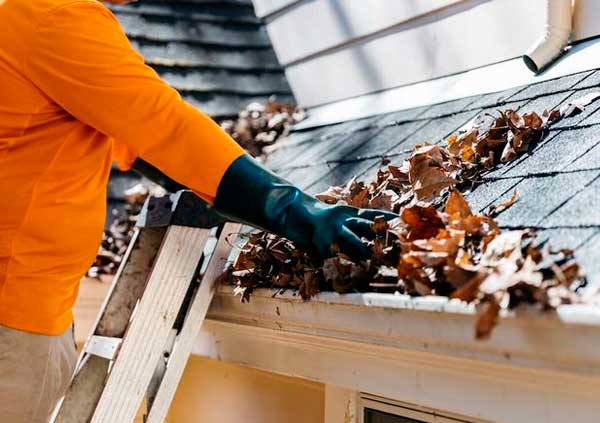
457, 205
496, 209
487, 318
578, 105
422, 221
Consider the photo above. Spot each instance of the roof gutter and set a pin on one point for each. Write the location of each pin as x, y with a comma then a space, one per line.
559, 24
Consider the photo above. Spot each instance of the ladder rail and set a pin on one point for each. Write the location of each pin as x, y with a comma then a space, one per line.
150, 318
193, 321
87, 383
146, 336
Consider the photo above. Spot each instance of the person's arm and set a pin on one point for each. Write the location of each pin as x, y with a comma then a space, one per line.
81, 58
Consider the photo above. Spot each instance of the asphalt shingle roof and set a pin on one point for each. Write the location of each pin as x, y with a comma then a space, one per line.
558, 181
216, 53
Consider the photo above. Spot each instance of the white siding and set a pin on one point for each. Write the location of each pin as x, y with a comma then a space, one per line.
586, 18
337, 49
267, 7
315, 26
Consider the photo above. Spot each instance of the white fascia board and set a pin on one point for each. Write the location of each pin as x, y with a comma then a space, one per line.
535, 368
563, 341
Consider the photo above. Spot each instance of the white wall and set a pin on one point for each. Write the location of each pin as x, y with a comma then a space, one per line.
336, 49
585, 19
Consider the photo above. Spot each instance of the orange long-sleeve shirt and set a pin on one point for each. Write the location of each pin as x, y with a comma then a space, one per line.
71, 84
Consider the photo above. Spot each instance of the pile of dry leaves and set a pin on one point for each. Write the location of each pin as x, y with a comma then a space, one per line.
259, 126
437, 246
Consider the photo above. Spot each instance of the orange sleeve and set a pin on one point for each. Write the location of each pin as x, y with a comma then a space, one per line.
81, 58
123, 156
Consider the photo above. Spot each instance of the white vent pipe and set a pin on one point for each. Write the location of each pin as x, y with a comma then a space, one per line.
559, 23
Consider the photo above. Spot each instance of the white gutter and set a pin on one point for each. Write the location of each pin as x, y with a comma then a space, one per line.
565, 340
559, 24
534, 368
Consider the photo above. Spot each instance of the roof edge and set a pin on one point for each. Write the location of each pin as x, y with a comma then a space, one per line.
512, 73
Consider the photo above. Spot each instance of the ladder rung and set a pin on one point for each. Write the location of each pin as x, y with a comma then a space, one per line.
103, 346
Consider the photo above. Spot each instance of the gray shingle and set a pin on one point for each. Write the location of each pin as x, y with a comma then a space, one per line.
284, 156
581, 118
220, 105
492, 99
349, 127
341, 173
402, 116
557, 153
587, 256
538, 197
438, 129
592, 80
504, 170
588, 160
335, 148
583, 209
448, 108
546, 102
569, 238
307, 176
347, 145
191, 55
224, 81
217, 54
159, 28
386, 140
551, 86
219, 12
489, 192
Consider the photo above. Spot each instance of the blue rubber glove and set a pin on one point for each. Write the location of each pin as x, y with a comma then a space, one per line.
250, 194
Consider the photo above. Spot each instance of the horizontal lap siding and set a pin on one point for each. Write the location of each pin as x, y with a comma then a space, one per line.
336, 49
264, 8
315, 26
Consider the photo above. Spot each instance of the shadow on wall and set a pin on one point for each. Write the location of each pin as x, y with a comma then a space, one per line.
371, 74
212, 391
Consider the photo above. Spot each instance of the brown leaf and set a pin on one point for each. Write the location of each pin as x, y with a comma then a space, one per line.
533, 120
487, 318
423, 221
331, 196
380, 225
457, 205
309, 287
578, 105
470, 282
428, 172
496, 209
384, 200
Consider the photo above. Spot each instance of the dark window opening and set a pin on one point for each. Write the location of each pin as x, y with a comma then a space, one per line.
376, 416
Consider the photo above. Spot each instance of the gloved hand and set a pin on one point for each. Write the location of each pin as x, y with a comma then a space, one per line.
250, 194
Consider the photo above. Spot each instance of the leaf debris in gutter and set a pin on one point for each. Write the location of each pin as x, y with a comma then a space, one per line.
437, 246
